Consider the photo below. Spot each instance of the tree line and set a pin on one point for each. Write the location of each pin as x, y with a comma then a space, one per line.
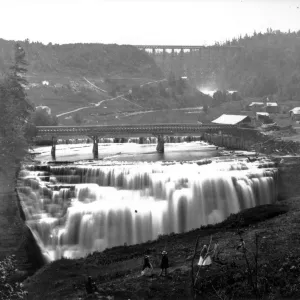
84, 59
267, 64
15, 110
18, 116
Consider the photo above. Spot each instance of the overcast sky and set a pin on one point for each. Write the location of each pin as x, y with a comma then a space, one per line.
194, 22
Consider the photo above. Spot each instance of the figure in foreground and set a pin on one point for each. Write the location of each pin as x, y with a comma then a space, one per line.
164, 265
146, 264
90, 286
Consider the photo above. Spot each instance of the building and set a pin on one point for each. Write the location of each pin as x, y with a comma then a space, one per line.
256, 106
263, 117
271, 107
295, 113
232, 120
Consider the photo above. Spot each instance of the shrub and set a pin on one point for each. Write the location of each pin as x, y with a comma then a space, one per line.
8, 289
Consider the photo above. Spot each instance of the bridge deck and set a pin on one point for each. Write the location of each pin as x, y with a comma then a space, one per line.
193, 47
130, 130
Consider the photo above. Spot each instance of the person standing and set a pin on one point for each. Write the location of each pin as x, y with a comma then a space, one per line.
241, 246
90, 286
146, 264
204, 259
164, 265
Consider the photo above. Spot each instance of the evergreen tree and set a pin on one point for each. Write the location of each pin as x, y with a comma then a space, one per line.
15, 109
180, 86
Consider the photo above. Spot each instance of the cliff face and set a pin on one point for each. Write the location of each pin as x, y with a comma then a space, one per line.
15, 236
289, 177
10, 222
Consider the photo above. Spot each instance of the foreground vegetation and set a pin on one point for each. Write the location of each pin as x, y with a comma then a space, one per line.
15, 112
116, 271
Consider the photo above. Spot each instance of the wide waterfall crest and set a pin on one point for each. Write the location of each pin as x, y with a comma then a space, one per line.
75, 210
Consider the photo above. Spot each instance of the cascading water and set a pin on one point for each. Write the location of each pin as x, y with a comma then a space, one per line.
75, 210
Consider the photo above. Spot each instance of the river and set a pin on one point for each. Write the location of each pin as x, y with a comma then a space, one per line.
133, 194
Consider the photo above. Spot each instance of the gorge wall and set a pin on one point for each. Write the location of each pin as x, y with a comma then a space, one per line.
15, 237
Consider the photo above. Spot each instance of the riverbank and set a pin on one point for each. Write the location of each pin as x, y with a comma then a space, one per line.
117, 270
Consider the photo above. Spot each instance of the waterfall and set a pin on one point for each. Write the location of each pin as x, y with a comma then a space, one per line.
75, 210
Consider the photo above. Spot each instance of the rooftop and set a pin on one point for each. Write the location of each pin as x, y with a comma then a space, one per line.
271, 104
230, 119
256, 103
295, 110
262, 113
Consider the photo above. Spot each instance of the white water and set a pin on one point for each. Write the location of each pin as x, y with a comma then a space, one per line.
130, 151
110, 205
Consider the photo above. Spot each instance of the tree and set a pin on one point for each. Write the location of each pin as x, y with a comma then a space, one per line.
218, 97
78, 119
15, 109
180, 86
236, 96
205, 108
41, 117
171, 80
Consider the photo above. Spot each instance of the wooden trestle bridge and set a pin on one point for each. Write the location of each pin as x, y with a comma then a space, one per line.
116, 131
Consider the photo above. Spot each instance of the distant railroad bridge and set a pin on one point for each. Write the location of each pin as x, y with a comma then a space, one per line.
192, 49
117, 131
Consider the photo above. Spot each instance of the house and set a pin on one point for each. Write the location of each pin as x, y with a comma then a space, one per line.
232, 120
263, 117
262, 114
271, 107
256, 106
295, 113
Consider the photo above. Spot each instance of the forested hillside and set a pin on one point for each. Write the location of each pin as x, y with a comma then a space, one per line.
97, 60
268, 64
66, 77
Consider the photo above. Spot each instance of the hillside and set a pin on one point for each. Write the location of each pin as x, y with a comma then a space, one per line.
268, 63
117, 271
78, 60
59, 75
96, 80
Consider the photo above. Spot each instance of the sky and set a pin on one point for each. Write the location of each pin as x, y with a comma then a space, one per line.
162, 22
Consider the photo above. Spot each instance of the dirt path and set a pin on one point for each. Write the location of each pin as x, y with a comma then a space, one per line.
109, 99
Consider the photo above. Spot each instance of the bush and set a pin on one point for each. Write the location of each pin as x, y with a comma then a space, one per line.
8, 289
77, 118
250, 216
43, 118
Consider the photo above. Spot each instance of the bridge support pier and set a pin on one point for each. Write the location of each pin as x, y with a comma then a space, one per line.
164, 53
95, 147
160, 148
53, 148
181, 52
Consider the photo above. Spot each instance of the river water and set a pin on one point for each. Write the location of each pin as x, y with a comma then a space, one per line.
133, 194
